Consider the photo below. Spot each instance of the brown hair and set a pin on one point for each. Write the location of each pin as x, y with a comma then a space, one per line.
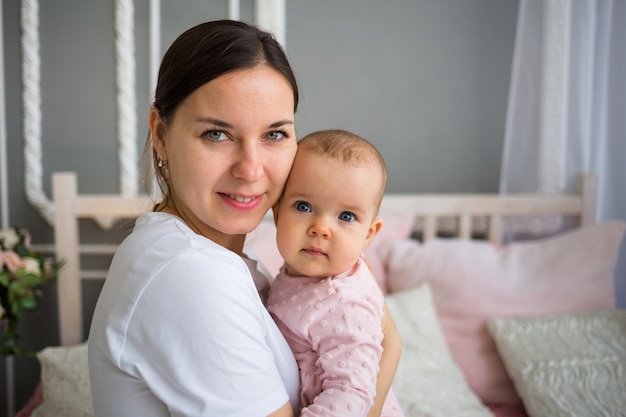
346, 147
202, 54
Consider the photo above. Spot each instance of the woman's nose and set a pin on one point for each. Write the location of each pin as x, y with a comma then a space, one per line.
249, 164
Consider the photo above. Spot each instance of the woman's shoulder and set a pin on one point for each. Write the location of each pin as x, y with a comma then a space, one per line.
160, 261
161, 247
171, 237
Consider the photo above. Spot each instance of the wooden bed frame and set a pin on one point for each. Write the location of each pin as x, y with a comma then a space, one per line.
70, 207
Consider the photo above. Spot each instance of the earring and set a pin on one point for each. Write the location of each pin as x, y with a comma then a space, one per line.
161, 162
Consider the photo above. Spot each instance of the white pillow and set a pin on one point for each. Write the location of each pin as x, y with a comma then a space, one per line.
65, 380
428, 382
566, 365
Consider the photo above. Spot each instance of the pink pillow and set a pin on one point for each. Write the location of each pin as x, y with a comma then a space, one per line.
261, 244
35, 401
474, 281
396, 226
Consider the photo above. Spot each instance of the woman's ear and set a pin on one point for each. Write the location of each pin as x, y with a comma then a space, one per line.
157, 132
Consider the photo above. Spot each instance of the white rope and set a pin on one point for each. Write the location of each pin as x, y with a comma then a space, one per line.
31, 101
126, 104
126, 100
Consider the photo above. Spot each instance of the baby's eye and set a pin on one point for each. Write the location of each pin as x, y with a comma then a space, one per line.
276, 135
347, 217
215, 135
302, 206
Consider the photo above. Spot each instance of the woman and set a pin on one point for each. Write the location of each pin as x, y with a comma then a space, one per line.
179, 328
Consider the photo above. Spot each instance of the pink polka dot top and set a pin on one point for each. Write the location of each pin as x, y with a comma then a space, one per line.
333, 326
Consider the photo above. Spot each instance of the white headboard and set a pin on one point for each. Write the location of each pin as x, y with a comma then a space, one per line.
70, 207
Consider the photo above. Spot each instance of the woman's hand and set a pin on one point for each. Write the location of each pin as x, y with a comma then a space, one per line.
392, 348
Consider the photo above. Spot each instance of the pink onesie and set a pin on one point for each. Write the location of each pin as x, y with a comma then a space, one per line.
333, 326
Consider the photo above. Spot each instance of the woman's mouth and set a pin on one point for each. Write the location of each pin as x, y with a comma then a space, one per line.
240, 202
240, 199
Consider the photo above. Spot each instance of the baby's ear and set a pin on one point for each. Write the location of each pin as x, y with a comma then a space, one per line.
377, 223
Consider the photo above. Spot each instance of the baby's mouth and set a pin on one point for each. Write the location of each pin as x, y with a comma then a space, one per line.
313, 251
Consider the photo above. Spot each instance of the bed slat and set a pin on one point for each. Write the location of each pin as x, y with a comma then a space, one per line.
465, 226
429, 209
495, 229
69, 208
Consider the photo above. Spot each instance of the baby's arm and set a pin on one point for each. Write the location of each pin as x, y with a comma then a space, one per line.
392, 348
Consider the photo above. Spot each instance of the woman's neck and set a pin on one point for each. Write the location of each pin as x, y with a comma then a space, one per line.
233, 243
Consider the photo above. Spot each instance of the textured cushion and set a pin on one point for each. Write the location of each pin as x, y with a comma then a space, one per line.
566, 365
427, 382
65, 380
474, 281
261, 244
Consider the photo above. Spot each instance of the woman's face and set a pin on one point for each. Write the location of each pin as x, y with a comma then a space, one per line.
228, 151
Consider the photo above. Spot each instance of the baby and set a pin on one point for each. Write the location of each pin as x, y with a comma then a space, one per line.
325, 299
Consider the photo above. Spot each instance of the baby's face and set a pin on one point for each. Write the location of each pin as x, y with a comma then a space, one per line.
327, 215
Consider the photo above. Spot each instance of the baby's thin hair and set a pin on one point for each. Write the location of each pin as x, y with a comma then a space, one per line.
346, 147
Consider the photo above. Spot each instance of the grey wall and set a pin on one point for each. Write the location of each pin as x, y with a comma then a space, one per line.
425, 80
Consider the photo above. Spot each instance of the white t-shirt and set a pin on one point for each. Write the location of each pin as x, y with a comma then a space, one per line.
180, 330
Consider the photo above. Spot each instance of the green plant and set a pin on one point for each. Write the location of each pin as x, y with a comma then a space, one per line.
22, 273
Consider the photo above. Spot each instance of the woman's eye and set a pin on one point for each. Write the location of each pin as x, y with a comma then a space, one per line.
215, 135
276, 135
303, 206
347, 217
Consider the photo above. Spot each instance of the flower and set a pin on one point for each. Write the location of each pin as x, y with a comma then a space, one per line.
9, 237
22, 273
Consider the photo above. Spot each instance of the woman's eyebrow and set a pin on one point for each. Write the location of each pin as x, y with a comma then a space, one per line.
280, 123
222, 123
216, 122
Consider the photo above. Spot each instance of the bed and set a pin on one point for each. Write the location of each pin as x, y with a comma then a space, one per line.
490, 326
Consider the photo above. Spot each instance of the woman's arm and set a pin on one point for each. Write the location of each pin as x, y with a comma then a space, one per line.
284, 411
216, 351
392, 348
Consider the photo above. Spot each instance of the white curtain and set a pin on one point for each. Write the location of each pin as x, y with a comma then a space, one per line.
567, 105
